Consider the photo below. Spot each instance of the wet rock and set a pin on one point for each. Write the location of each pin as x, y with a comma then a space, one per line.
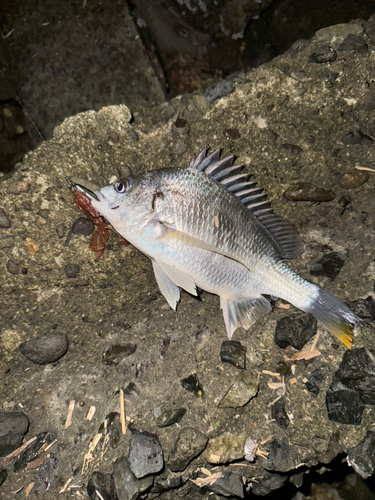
128, 487
114, 354
13, 426
323, 54
145, 454
60, 230
189, 444
19, 188
5, 222
240, 392
104, 484
7, 242
266, 484
234, 353
112, 427
362, 456
13, 266
170, 417
181, 126
219, 90
305, 191
46, 349
354, 42
3, 476
30, 453
132, 389
281, 457
192, 384
47, 474
291, 149
353, 179
315, 381
295, 330
225, 448
356, 137
229, 485
72, 270
231, 134
113, 136
329, 265
279, 413
344, 405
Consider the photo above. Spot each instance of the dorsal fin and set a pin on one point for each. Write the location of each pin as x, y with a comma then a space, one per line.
282, 232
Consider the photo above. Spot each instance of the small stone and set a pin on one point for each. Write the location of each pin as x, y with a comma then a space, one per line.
221, 89
234, 353
113, 136
133, 134
344, 200
228, 485
362, 456
46, 349
356, 137
329, 265
181, 126
353, 42
268, 483
192, 384
315, 381
305, 191
295, 330
13, 427
179, 147
116, 353
7, 242
60, 230
26, 205
32, 246
83, 226
19, 188
231, 134
5, 222
124, 171
3, 476
279, 413
13, 266
240, 392
31, 451
281, 457
170, 417
323, 54
72, 270
145, 454
47, 474
291, 149
353, 179
104, 484
132, 389
225, 448
344, 405
189, 444
128, 487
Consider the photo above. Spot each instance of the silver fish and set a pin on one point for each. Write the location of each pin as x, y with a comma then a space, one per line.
208, 226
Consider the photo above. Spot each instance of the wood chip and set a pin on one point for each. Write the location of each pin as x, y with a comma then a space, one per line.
20, 449
292, 381
307, 354
209, 479
216, 221
91, 413
50, 445
283, 306
276, 385
364, 168
122, 412
32, 246
28, 489
315, 341
273, 374
68, 421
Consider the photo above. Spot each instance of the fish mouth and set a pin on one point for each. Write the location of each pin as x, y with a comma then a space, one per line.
80, 188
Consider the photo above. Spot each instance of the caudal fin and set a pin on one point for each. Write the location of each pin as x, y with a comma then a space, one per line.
335, 316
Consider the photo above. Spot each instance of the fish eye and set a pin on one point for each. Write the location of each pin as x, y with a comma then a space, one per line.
121, 187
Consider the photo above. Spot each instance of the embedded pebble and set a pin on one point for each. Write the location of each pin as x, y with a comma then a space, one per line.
104, 484
279, 413
132, 389
219, 90
114, 354
356, 137
295, 330
13, 427
13, 266
228, 485
305, 191
124, 171
7, 242
72, 270
240, 392
231, 134
353, 179
323, 54
329, 265
315, 381
128, 487
31, 451
83, 226
291, 149
19, 188
113, 136
5, 222
32, 246
362, 456
225, 448
170, 416
179, 147
281, 456
344, 405
45, 349
60, 230
145, 454
189, 444
234, 353
354, 42
133, 134
192, 384
181, 126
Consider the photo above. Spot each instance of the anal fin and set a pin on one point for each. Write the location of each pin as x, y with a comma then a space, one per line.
243, 313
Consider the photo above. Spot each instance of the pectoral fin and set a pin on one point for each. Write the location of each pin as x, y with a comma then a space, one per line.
170, 291
243, 313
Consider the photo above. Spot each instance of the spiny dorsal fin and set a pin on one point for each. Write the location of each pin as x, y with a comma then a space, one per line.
282, 232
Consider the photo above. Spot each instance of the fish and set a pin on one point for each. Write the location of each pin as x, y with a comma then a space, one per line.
210, 226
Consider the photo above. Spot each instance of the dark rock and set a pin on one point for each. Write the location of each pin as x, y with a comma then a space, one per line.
3, 476
132, 389
281, 457
234, 353
13, 266
315, 381
323, 54
221, 89
362, 456
104, 484
7, 242
128, 487
170, 417
4, 220
354, 42
356, 137
168, 484
353, 179
113, 136
181, 126
47, 474
297, 479
145, 454
46, 349
231, 134
83, 226
133, 135
13, 426
189, 444
370, 305
240, 392
30, 453
60, 230
114, 354
229, 485
113, 429
291, 149
305, 191
192, 384
266, 484
279, 413
72, 270
344, 405
295, 330
329, 265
